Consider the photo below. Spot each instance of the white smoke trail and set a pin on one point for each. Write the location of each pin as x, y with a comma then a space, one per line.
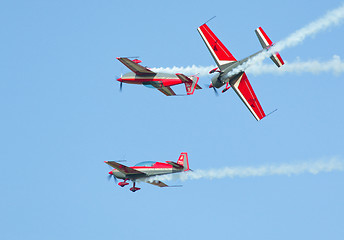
333, 17
334, 66
315, 167
189, 70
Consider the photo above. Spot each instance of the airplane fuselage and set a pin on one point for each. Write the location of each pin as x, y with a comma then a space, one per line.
149, 171
225, 75
157, 79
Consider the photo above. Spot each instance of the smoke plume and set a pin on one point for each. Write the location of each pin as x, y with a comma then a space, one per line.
334, 66
254, 65
333, 17
290, 169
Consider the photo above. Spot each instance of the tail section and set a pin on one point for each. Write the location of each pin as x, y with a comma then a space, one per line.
184, 161
218, 51
190, 83
266, 43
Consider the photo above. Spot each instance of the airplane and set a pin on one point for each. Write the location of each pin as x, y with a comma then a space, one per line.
161, 81
144, 170
226, 63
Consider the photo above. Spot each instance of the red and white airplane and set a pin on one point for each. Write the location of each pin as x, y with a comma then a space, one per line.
226, 63
144, 170
161, 81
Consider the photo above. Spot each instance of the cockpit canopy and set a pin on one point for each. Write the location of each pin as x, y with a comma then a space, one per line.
145, 164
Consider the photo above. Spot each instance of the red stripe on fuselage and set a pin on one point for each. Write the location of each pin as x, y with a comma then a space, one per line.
156, 165
166, 82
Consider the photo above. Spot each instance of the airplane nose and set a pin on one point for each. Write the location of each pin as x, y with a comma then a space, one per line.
211, 85
110, 173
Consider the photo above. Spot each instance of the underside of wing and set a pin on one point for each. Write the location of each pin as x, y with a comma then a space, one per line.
124, 169
135, 67
167, 91
243, 88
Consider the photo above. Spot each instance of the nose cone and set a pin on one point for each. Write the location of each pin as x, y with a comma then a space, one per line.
110, 173
217, 81
119, 79
211, 85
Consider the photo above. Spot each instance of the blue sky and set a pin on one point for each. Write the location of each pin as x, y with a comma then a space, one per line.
63, 115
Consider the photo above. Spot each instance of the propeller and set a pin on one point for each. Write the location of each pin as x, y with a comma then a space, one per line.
111, 175
215, 90
120, 80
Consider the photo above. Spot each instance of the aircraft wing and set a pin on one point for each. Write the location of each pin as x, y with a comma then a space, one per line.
166, 90
135, 67
243, 88
124, 169
184, 78
219, 52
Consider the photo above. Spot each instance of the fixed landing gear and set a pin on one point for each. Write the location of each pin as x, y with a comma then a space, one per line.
134, 189
226, 88
124, 183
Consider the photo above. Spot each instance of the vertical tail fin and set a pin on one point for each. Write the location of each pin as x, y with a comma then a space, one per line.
266, 43
184, 161
190, 83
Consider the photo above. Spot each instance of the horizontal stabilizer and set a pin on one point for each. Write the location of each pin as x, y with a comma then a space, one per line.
266, 42
161, 184
157, 183
277, 59
167, 91
174, 164
263, 38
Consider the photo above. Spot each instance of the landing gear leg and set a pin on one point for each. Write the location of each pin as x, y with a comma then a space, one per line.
134, 189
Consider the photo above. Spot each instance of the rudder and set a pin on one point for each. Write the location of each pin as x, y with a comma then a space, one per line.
184, 161
190, 83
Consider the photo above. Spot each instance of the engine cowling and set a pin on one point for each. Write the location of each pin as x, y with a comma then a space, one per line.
216, 81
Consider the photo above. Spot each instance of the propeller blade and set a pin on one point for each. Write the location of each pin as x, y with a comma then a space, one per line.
120, 86
215, 91
211, 86
114, 178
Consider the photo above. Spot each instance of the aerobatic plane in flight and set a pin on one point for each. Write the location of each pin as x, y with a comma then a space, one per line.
144, 170
161, 81
226, 63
